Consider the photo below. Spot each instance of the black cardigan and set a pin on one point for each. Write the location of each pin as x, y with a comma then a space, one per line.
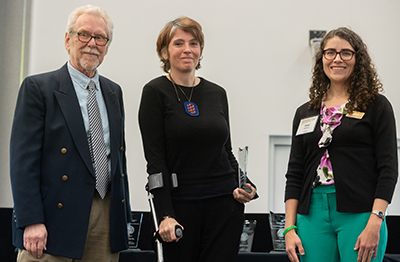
363, 154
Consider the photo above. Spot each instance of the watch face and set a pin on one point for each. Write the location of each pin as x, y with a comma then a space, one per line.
379, 213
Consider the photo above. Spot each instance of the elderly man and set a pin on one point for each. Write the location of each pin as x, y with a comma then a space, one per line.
67, 154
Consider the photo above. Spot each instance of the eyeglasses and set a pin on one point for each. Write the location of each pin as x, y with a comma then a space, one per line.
345, 54
85, 37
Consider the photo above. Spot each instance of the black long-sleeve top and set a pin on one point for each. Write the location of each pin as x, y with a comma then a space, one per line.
196, 148
363, 154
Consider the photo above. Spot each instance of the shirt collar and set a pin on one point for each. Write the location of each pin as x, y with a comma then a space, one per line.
82, 80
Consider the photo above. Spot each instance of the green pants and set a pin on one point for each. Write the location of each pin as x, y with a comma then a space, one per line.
330, 236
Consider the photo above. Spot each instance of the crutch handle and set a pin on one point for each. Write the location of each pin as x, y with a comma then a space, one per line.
178, 231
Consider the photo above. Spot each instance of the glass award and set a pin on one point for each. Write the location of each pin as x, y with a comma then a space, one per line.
277, 225
242, 176
134, 230
246, 239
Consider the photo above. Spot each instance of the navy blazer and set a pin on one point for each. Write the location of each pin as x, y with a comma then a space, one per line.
52, 176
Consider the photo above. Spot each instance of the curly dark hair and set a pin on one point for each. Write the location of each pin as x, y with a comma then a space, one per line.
364, 84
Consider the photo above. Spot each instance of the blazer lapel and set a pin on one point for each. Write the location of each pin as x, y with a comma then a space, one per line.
69, 105
114, 122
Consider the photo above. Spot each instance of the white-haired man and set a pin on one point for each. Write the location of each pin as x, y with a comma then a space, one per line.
67, 154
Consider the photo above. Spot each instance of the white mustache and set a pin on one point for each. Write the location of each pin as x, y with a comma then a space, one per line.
90, 50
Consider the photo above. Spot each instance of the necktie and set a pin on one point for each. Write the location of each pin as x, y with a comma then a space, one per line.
96, 142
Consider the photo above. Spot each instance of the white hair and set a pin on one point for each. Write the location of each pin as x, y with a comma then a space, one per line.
92, 10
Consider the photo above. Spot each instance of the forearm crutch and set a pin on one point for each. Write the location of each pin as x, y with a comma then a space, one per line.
156, 181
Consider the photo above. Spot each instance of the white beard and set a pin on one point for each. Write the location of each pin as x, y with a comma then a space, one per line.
89, 64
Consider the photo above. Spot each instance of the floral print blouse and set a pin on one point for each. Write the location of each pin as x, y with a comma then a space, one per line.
330, 119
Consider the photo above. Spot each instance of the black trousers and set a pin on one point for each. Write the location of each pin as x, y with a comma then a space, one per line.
212, 230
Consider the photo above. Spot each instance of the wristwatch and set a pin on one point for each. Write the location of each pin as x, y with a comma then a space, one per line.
379, 214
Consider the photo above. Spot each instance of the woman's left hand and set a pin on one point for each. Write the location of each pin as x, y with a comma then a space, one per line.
368, 240
242, 196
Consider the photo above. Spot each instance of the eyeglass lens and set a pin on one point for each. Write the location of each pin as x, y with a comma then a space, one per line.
345, 55
86, 37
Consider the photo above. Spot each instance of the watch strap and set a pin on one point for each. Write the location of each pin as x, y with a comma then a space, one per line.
379, 214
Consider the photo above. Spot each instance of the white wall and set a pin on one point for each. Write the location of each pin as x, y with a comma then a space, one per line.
257, 50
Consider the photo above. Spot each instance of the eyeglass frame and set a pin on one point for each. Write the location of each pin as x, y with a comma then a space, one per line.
340, 54
91, 37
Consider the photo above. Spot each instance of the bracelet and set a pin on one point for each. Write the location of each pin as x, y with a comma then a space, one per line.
289, 228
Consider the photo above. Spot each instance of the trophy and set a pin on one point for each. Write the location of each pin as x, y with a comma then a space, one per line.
277, 225
242, 176
246, 239
134, 230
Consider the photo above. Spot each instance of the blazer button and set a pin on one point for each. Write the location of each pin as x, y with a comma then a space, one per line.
123, 201
63, 150
121, 148
122, 175
60, 205
64, 178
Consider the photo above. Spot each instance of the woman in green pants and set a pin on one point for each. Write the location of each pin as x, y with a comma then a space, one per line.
343, 164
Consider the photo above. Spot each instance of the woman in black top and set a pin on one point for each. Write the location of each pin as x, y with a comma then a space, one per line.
343, 164
184, 121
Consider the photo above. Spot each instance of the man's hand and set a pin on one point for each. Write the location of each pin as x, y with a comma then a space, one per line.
35, 239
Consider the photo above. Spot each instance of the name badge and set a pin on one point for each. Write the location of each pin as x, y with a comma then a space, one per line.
356, 115
307, 125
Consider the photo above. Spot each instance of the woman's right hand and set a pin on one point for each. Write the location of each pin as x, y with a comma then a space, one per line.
166, 230
293, 241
